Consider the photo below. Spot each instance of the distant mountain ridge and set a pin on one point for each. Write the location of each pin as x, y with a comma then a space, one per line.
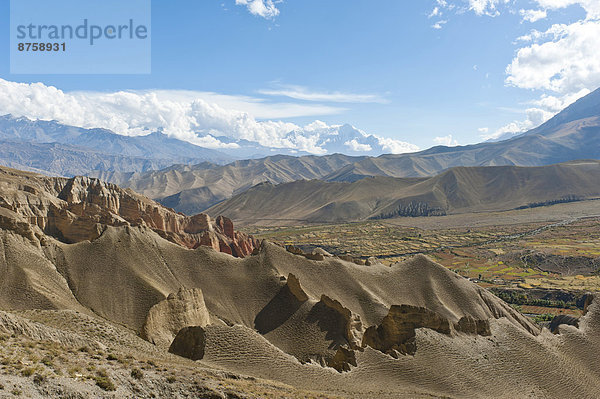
455, 191
188, 188
572, 134
60, 149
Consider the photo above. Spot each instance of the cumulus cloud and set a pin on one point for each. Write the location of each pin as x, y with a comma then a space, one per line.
396, 146
197, 117
439, 24
303, 93
261, 8
483, 129
561, 62
534, 118
138, 113
486, 7
563, 59
358, 147
448, 141
533, 15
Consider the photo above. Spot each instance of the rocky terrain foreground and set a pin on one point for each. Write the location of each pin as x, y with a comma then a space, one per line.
105, 293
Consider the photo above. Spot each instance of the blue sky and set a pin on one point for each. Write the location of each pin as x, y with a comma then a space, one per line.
395, 69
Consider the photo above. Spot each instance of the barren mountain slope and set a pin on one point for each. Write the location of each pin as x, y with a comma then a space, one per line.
313, 322
573, 133
465, 341
458, 190
191, 189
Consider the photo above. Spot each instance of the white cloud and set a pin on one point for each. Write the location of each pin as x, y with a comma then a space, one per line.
562, 62
554, 104
199, 118
435, 13
448, 141
486, 7
302, 93
592, 7
542, 110
565, 63
483, 129
396, 146
533, 15
138, 113
257, 107
439, 24
261, 8
358, 147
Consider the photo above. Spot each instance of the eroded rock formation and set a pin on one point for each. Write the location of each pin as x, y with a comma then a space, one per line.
396, 333
350, 325
281, 307
79, 209
165, 319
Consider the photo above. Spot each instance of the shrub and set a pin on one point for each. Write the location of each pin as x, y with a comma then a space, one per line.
137, 374
104, 381
47, 361
38, 379
28, 372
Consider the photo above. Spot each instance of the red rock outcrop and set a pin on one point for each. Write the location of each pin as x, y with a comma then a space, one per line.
80, 208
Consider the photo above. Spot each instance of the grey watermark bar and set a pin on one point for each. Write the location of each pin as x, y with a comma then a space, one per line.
80, 37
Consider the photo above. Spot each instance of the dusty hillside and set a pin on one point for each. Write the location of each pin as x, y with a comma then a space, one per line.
412, 330
311, 323
191, 189
459, 190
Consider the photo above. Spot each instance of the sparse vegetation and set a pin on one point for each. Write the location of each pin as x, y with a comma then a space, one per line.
104, 382
27, 372
137, 374
38, 379
541, 318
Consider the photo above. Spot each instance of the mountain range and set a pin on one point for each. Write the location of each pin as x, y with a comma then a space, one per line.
57, 149
458, 190
191, 179
572, 134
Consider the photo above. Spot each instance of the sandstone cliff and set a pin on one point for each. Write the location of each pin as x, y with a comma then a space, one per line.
80, 208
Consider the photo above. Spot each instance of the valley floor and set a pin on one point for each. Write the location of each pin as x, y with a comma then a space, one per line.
551, 248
